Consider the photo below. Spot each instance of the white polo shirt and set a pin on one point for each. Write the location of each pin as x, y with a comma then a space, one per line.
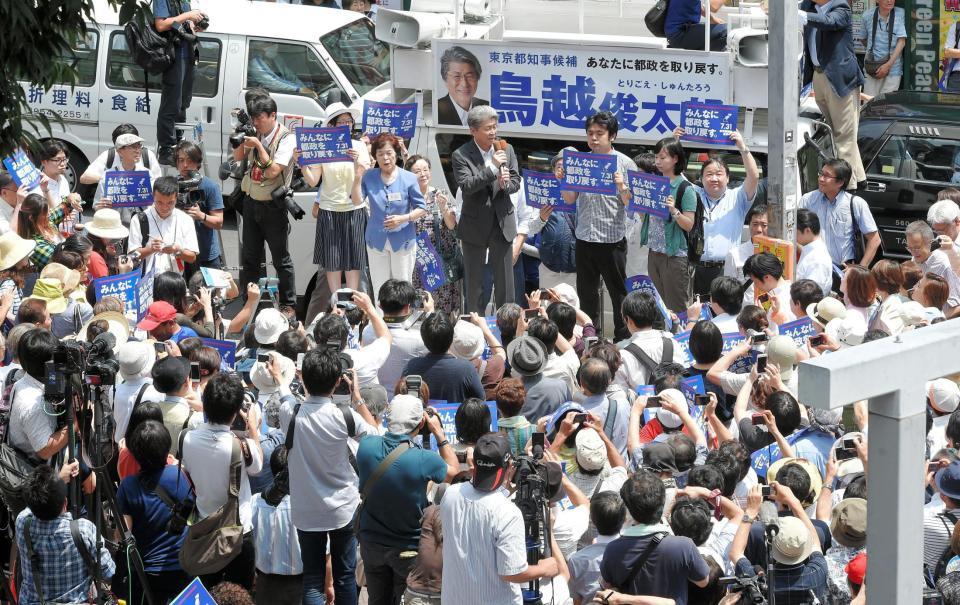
178, 228
407, 344
815, 263
30, 426
206, 457
126, 397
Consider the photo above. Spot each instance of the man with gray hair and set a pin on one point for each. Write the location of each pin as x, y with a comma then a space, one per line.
944, 217
920, 237
486, 172
460, 71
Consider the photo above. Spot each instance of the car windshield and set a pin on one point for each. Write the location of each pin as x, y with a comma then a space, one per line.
364, 59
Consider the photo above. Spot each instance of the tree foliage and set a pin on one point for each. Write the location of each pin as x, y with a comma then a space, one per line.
36, 47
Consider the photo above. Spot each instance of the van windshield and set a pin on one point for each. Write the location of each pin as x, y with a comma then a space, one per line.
364, 59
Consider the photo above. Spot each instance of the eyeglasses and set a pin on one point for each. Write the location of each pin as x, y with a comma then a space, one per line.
824, 175
61, 161
134, 146
10, 189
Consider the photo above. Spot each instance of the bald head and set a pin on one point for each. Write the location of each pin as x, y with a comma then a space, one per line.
594, 376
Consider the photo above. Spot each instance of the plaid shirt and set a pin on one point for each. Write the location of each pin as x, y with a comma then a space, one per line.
42, 254
602, 218
63, 574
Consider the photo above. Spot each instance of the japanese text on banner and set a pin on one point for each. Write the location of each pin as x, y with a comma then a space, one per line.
543, 189
124, 287
323, 145
743, 364
22, 169
429, 264
396, 118
650, 193
144, 293
704, 123
643, 282
226, 348
589, 172
128, 189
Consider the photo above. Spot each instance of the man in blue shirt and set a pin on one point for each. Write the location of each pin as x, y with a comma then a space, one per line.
177, 81
684, 29
884, 34
449, 378
207, 211
389, 524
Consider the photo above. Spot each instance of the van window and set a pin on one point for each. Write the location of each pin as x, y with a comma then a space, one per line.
84, 59
364, 59
293, 69
918, 159
124, 74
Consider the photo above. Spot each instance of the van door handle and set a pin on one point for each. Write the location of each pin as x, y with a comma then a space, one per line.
209, 114
876, 186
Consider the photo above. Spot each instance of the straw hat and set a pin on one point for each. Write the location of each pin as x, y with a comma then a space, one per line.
68, 277
117, 324
106, 224
14, 249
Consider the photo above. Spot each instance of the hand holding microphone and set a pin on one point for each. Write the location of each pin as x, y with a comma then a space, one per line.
500, 157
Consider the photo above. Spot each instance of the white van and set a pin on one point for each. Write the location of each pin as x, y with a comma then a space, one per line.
327, 55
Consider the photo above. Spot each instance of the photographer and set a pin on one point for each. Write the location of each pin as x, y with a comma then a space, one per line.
31, 429
398, 300
164, 235
175, 16
203, 202
394, 501
367, 359
269, 165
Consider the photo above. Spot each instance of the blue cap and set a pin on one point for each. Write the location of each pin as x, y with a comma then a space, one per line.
948, 481
563, 410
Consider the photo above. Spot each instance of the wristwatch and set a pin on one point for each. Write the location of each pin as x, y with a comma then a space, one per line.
747, 518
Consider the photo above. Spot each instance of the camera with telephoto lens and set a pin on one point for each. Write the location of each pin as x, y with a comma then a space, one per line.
180, 513
243, 129
751, 589
189, 193
283, 198
204, 22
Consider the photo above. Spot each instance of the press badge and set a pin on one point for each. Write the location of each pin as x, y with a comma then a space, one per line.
394, 197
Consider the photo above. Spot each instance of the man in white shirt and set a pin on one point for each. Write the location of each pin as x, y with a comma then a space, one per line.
8, 200
608, 513
758, 222
646, 347
171, 377
396, 299
920, 238
128, 150
484, 549
136, 362
766, 272
563, 366
164, 236
323, 483
110, 160
367, 359
815, 262
32, 430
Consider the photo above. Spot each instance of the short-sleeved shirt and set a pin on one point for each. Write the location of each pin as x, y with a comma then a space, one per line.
206, 237
450, 379
673, 241
163, 9
99, 166
681, 14
402, 196
601, 218
30, 426
392, 512
836, 221
723, 221
177, 228
407, 344
882, 48
483, 540
159, 548
584, 568
673, 564
793, 583
333, 194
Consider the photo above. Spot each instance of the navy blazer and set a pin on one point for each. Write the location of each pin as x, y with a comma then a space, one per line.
834, 32
485, 203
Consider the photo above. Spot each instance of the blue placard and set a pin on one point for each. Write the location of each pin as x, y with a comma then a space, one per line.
124, 287
447, 412
643, 282
128, 189
743, 364
683, 340
589, 172
798, 330
495, 329
194, 594
144, 293
428, 264
704, 123
22, 169
704, 314
396, 118
226, 348
543, 189
650, 193
323, 145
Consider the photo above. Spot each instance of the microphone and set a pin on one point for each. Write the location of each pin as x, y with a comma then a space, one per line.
501, 145
770, 518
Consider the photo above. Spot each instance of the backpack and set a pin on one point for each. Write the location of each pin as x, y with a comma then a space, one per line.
558, 244
112, 154
656, 18
666, 357
6, 396
694, 237
940, 569
153, 51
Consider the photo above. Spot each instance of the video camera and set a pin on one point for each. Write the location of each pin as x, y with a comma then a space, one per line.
72, 358
751, 589
243, 129
532, 501
189, 193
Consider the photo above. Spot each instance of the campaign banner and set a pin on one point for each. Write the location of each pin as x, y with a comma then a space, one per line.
226, 348
643, 282
194, 594
743, 364
22, 169
323, 145
650, 193
589, 172
144, 293
128, 189
799, 330
495, 329
704, 123
543, 88
704, 314
542, 189
429, 264
124, 287
447, 412
683, 339
396, 118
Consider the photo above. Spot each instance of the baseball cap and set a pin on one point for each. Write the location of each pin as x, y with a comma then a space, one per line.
857, 569
467, 340
404, 414
829, 308
848, 522
269, 325
943, 395
491, 455
127, 139
782, 352
948, 481
136, 358
157, 313
591, 451
668, 419
792, 543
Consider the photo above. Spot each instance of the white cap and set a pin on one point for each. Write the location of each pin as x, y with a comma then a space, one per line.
261, 378
668, 419
943, 395
269, 325
467, 340
591, 451
136, 359
127, 139
404, 414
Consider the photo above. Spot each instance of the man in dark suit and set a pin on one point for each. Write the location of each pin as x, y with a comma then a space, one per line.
830, 63
460, 71
486, 177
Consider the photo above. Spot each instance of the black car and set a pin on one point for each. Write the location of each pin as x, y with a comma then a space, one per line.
910, 145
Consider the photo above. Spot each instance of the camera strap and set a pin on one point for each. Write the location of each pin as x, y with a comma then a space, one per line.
34, 559
375, 476
640, 562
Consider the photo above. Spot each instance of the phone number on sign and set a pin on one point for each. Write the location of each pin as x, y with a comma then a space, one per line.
66, 114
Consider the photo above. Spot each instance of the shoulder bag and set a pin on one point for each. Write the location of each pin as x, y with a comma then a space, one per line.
15, 467
640, 562
378, 472
871, 62
656, 18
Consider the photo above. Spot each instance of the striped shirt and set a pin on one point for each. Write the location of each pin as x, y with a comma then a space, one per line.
937, 528
483, 539
602, 218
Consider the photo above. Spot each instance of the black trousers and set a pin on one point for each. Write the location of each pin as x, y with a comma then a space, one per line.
703, 276
265, 223
175, 94
609, 262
